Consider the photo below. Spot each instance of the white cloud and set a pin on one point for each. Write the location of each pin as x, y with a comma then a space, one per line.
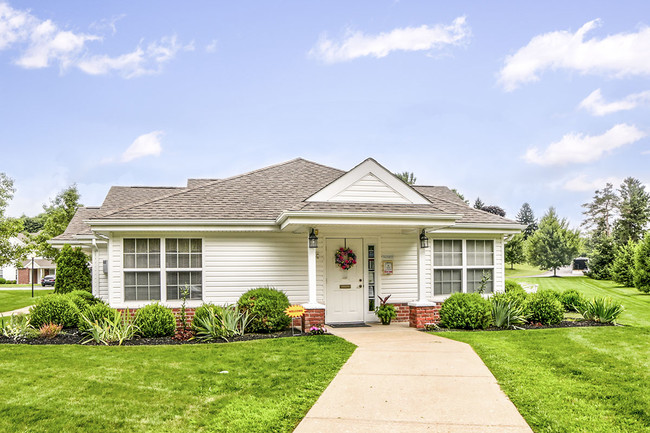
596, 104
141, 61
144, 145
618, 55
581, 148
211, 47
581, 183
356, 44
41, 44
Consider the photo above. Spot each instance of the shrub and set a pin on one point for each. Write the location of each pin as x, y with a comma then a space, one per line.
155, 320
17, 327
202, 312
118, 328
623, 265
265, 307
506, 312
87, 296
72, 272
79, 301
221, 322
465, 311
49, 330
58, 309
3, 281
602, 310
544, 307
95, 313
571, 300
515, 292
642, 265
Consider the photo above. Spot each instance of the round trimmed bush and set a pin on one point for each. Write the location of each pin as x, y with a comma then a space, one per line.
81, 302
514, 292
155, 320
571, 300
543, 307
87, 296
266, 307
205, 310
95, 313
57, 309
465, 311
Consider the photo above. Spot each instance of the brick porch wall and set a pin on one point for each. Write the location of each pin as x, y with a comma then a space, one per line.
420, 316
315, 317
189, 313
402, 312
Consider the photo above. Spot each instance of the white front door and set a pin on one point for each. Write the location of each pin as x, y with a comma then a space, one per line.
345, 287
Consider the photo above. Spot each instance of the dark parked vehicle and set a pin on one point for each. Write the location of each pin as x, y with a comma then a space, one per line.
48, 280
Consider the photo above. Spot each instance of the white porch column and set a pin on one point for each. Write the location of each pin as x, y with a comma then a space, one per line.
422, 280
311, 279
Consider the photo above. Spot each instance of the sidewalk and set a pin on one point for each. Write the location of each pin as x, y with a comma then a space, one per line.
403, 380
23, 310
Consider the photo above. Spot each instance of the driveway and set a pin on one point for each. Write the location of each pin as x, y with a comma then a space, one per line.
403, 380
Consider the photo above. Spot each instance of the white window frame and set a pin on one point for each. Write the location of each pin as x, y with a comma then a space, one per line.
135, 270
179, 269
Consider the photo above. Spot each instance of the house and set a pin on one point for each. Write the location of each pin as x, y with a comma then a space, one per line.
282, 226
27, 271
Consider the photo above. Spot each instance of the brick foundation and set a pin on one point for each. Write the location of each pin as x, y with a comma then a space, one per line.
402, 312
189, 314
421, 316
313, 317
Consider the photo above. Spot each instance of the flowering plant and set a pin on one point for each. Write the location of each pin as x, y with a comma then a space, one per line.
317, 330
345, 258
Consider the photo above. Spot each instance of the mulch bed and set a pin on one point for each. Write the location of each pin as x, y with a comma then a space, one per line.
563, 324
73, 336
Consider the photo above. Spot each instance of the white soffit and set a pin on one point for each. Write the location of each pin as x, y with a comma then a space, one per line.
369, 182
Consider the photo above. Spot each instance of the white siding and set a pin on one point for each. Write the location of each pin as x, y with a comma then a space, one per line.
100, 288
402, 285
115, 293
370, 189
499, 265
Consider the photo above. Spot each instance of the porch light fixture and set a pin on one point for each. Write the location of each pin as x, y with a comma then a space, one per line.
313, 239
424, 240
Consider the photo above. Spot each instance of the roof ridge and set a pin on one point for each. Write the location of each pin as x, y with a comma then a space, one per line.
472, 209
217, 181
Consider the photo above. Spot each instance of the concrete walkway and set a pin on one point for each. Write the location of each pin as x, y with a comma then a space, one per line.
23, 310
403, 380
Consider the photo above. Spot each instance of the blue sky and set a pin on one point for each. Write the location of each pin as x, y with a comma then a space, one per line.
511, 101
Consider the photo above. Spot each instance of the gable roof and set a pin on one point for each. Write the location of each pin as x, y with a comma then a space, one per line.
77, 227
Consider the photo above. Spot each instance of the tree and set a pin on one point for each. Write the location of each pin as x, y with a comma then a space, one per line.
553, 245
460, 196
407, 177
57, 217
602, 256
599, 213
514, 250
33, 224
72, 272
478, 204
642, 265
9, 227
623, 266
634, 208
496, 210
527, 218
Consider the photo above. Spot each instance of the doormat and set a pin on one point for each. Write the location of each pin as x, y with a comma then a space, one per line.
348, 325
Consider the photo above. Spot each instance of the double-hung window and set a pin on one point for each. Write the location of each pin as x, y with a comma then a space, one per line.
183, 263
480, 261
141, 269
447, 267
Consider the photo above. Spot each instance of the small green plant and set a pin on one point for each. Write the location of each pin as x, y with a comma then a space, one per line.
220, 323
544, 307
119, 328
17, 327
57, 309
506, 313
603, 310
465, 311
386, 312
571, 300
95, 313
155, 320
265, 307
482, 285
87, 296
49, 330
183, 332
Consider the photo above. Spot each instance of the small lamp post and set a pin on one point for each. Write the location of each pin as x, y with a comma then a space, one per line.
313, 239
424, 240
31, 276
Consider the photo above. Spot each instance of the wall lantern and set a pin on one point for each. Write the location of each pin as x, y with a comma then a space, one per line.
424, 240
313, 239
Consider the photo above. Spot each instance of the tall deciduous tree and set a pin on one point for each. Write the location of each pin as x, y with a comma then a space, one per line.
553, 245
514, 250
600, 211
642, 265
9, 227
634, 209
526, 217
72, 272
623, 265
407, 177
57, 217
478, 204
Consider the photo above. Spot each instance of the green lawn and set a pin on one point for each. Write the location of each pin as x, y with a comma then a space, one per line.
580, 379
14, 299
269, 387
522, 270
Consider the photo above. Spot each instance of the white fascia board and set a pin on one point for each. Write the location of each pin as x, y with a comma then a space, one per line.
102, 226
384, 219
369, 166
483, 228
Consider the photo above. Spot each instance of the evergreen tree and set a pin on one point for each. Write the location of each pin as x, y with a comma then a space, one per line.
496, 210
57, 217
634, 208
407, 177
514, 250
553, 245
642, 265
599, 213
478, 204
72, 271
601, 258
460, 196
623, 265
527, 218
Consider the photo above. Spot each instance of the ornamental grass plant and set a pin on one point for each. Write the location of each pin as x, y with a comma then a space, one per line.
603, 310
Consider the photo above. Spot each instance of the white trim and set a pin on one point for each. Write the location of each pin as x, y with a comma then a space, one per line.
369, 166
432, 222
